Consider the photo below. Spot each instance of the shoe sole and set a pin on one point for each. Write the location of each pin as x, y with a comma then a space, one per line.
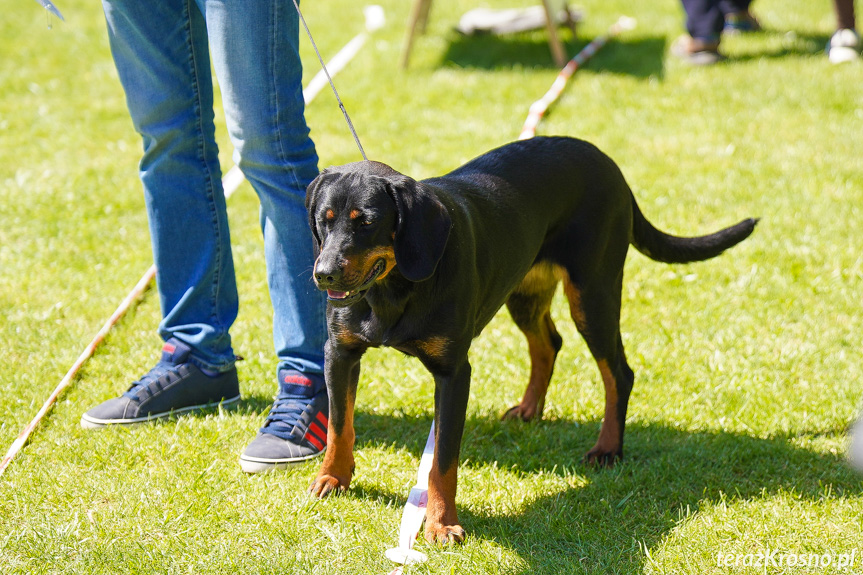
263, 465
702, 58
842, 54
88, 422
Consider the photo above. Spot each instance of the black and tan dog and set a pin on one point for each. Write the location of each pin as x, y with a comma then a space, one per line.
424, 266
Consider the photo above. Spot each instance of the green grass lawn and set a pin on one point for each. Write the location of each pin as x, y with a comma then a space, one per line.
748, 366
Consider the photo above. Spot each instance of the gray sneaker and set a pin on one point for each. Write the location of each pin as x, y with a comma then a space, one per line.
172, 387
697, 51
296, 427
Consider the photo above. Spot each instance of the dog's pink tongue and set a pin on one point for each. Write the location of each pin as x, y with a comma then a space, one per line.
335, 294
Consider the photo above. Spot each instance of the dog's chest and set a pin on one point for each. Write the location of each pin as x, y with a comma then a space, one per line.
396, 336
371, 328
397, 331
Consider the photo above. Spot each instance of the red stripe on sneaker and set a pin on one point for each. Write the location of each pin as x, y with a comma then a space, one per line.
298, 380
169, 348
319, 433
322, 418
314, 441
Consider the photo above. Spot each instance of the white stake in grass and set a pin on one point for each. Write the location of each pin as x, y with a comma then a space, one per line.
414, 512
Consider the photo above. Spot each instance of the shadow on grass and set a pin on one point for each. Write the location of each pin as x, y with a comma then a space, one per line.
598, 526
794, 45
641, 58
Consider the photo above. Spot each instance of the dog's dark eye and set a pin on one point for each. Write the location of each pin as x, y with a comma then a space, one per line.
366, 222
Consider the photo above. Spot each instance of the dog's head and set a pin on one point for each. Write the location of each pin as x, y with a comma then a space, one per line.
367, 219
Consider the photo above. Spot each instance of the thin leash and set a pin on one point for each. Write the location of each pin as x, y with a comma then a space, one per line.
332, 85
414, 511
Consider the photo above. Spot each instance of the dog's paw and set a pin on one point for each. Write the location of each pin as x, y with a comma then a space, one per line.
522, 412
444, 534
324, 485
599, 457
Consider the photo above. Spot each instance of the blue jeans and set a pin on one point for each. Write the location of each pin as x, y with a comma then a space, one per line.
162, 53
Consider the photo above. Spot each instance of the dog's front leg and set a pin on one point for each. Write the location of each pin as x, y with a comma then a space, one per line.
342, 372
451, 394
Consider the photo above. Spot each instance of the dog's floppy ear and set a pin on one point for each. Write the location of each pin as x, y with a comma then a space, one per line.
422, 227
313, 193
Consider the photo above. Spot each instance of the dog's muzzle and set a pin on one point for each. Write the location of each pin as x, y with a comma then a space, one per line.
347, 297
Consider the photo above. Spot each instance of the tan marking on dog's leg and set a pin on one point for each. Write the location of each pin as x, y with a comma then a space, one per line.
542, 357
573, 296
529, 307
345, 336
338, 466
435, 346
442, 524
608, 443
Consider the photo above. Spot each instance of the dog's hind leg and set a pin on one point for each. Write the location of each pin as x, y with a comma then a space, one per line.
596, 312
529, 307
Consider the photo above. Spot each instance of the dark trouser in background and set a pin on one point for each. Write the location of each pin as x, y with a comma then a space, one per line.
706, 18
844, 14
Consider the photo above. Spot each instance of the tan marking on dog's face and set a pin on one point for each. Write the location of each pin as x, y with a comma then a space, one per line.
385, 253
354, 214
358, 267
330, 215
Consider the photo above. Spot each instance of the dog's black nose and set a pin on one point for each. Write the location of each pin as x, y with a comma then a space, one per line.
325, 280
327, 274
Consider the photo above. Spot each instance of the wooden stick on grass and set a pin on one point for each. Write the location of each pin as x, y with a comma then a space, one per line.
540, 107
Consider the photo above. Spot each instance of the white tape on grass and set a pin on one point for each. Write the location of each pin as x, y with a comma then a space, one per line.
415, 510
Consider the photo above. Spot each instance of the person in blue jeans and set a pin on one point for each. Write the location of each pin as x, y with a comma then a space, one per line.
162, 53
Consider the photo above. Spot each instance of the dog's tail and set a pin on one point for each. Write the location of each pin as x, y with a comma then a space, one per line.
662, 247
